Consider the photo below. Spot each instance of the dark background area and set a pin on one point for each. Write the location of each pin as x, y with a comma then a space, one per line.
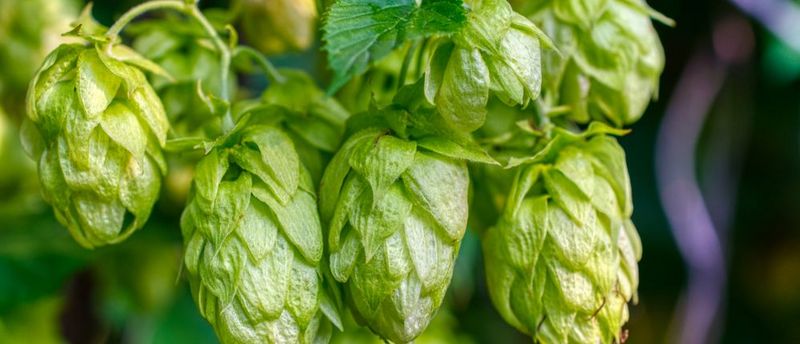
747, 160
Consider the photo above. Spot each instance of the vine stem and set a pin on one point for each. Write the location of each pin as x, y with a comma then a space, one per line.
406, 63
269, 69
189, 8
542, 117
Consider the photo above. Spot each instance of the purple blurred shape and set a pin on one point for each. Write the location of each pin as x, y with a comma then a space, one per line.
683, 202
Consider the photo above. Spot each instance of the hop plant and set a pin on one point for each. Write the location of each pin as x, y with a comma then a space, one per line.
561, 262
610, 57
97, 132
395, 205
253, 241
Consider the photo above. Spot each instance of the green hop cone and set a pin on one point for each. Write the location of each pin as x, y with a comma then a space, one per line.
497, 52
395, 205
561, 262
611, 57
96, 128
253, 242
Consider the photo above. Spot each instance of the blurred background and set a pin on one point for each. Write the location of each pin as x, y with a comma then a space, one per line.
714, 165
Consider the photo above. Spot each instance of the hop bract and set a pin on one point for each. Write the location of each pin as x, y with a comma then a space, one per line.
98, 129
561, 263
611, 58
396, 213
253, 242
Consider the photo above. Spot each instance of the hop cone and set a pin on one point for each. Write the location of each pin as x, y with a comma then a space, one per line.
497, 52
396, 211
561, 263
254, 243
98, 128
611, 57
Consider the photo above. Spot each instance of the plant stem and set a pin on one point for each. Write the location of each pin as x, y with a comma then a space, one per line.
127, 17
269, 70
225, 61
401, 81
542, 119
193, 11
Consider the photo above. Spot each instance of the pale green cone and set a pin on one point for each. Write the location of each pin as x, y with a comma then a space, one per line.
253, 242
96, 128
561, 263
610, 58
497, 53
396, 212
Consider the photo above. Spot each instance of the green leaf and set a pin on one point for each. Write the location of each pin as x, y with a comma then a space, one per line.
359, 32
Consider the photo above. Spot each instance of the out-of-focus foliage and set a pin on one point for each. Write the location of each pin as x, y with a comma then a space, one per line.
278, 26
37, 322
29, 29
